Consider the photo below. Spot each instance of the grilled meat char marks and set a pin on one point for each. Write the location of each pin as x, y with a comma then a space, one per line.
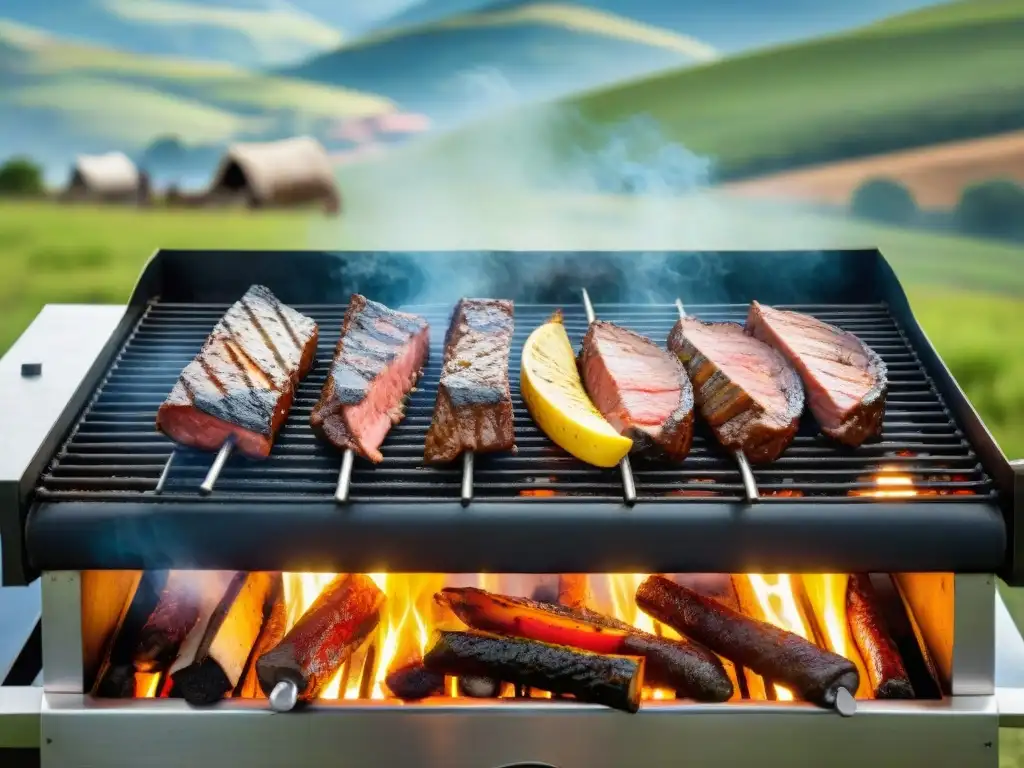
641, 389
242, 382
846, 380
748, 393
473, 411
377, 361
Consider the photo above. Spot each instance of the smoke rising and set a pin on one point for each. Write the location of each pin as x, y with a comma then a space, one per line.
546, 180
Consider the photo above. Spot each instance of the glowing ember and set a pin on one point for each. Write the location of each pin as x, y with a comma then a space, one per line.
146, 684
890, 484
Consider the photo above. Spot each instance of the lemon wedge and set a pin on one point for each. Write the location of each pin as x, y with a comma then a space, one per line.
554, 395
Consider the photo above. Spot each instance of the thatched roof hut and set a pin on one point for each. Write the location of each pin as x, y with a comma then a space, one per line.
278, 174
112, 177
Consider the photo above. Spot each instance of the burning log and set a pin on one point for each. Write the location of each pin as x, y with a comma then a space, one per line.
115, 678
613, 681
684, 667
884, 666
272, 633
410, 680
211, 663
813, 673
325, 637
574, 590
176, 614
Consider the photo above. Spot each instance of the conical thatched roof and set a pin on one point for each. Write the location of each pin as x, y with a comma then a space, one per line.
110, 175
279, 173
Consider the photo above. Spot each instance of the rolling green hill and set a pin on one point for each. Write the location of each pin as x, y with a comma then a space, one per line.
58, 96
948, 72
521, 51
243, 32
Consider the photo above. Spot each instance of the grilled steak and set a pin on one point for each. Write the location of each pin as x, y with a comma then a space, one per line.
473, 411
242, 382
745, 390
846, 380
377, 360
640, 388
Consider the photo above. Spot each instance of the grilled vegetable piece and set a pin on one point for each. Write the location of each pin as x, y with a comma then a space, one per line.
846, 380
377, 361
341, 618
814, 674
746, 391
888, 677
554, 395
641, 389
473, 411
614, 681
684, 667
241, 384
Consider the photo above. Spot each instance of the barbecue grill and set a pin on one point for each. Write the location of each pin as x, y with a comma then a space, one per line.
92, 495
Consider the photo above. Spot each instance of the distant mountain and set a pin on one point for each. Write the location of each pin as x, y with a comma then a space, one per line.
729, 25
463, 65
245, 32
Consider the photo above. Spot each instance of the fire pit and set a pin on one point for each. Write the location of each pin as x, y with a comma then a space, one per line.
111, 512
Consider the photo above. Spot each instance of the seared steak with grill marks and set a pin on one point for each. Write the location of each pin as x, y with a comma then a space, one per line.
745, 390
242, 382
640, 388
473, 411
377, 360
846, 380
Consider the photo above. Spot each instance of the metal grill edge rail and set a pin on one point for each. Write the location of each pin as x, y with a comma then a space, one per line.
115, 455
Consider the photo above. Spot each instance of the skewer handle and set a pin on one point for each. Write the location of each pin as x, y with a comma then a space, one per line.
746, 474
218, 464
165, 473
846, 704
344, 477
625, 467
284, 696
467, 478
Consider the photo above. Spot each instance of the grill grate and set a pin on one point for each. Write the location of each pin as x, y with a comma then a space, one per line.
114, 453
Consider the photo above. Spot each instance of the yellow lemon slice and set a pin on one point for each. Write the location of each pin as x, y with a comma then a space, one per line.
554, 395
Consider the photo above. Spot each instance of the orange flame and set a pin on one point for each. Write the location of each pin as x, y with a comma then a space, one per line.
826, 593
890, 483
146, 684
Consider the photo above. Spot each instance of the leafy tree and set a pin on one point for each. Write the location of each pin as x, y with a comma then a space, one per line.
992, 209
21, 176
886, 201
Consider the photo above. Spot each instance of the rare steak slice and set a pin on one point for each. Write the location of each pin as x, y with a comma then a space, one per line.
473, 411
377, 361
846, 381
640, 388
746, 391
241, 384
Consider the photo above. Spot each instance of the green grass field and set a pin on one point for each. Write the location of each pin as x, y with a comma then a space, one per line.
967, 294
954, 71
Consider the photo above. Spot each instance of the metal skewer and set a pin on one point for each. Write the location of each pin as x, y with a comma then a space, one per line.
467, 478
749, 486
164, 473
345, 476
218, 464
628, 485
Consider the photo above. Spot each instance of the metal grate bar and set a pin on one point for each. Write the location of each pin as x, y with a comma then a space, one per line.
114, 453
